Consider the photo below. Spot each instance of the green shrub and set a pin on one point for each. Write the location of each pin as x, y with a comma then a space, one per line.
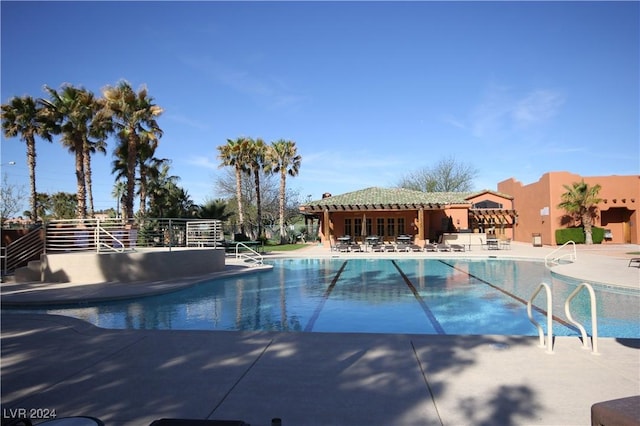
597, 234
577, 235
570, 234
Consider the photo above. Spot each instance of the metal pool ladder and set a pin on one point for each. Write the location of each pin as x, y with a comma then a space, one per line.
250, 255
594, 318
549, 317
567, 310
572, 256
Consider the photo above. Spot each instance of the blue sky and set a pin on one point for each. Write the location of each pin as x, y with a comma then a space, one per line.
368, 90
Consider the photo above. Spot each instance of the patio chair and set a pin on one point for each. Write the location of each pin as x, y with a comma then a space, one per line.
444, 247
505, 244
415, 247
457, 247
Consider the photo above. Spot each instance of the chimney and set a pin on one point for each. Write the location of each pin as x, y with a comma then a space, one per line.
326, 195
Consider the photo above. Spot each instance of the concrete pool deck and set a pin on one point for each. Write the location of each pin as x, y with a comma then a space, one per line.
129, 377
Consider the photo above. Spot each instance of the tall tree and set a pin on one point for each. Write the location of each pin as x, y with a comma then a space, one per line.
99, 130
234, 154
254, 165
133, 116
580, 201
22, 117
148, 169
282, 157
71, 112
11, 198
118, 192
448, 175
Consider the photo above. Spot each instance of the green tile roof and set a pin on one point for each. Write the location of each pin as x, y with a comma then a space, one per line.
376, 196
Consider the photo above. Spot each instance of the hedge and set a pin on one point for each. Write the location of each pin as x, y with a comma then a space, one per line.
577, 235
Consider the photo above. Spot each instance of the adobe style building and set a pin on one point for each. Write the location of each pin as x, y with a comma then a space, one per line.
538, 212
515, 211
391, 212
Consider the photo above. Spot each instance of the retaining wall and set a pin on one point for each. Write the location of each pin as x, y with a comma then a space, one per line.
91, 268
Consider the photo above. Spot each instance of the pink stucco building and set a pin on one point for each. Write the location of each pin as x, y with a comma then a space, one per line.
538, 212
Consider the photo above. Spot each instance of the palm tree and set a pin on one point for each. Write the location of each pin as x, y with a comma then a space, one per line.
22, 117
100, 128
134, 120
161, 188
234, 154
118, 191
254, 165
581, 201
214, 209
282, 157
71, 112
148, 168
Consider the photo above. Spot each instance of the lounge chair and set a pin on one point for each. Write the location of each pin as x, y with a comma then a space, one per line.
355, 247
634, 261
388, 247
444, 247
431, 247
457, 247
342, 247
415, 247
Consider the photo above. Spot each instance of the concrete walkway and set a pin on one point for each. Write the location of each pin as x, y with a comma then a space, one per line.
134, 377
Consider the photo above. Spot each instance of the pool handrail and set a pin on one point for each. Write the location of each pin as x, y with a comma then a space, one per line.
254, 256
117, 245
594, 318
572, 255
549, 344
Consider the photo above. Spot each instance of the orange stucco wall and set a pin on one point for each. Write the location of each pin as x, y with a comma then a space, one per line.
618, 211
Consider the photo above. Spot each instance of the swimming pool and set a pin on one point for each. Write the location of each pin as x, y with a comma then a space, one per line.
421, 296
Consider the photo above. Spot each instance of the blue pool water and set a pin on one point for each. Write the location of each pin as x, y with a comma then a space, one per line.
421, 296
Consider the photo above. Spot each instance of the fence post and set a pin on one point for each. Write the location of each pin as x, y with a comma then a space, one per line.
170, 234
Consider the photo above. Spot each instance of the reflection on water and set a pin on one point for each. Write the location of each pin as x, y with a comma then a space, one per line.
426, 296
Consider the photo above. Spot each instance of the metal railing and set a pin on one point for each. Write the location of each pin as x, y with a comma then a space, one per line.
250, 255
549, 344
571, 256
108, 235
594, 318
26, 248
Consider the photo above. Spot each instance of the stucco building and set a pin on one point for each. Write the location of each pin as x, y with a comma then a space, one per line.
538, 212
390, 212
515, 211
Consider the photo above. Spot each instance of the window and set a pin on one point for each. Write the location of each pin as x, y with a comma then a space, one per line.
357, 227
347, 227
391, 226
400, 226
368, 226
380, 226
487, 204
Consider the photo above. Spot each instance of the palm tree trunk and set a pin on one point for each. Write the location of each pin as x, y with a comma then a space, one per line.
31, 161
81, 196
239, 198
586, 224
131, 172
88, 182
143, 191
283, 180
256, 177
